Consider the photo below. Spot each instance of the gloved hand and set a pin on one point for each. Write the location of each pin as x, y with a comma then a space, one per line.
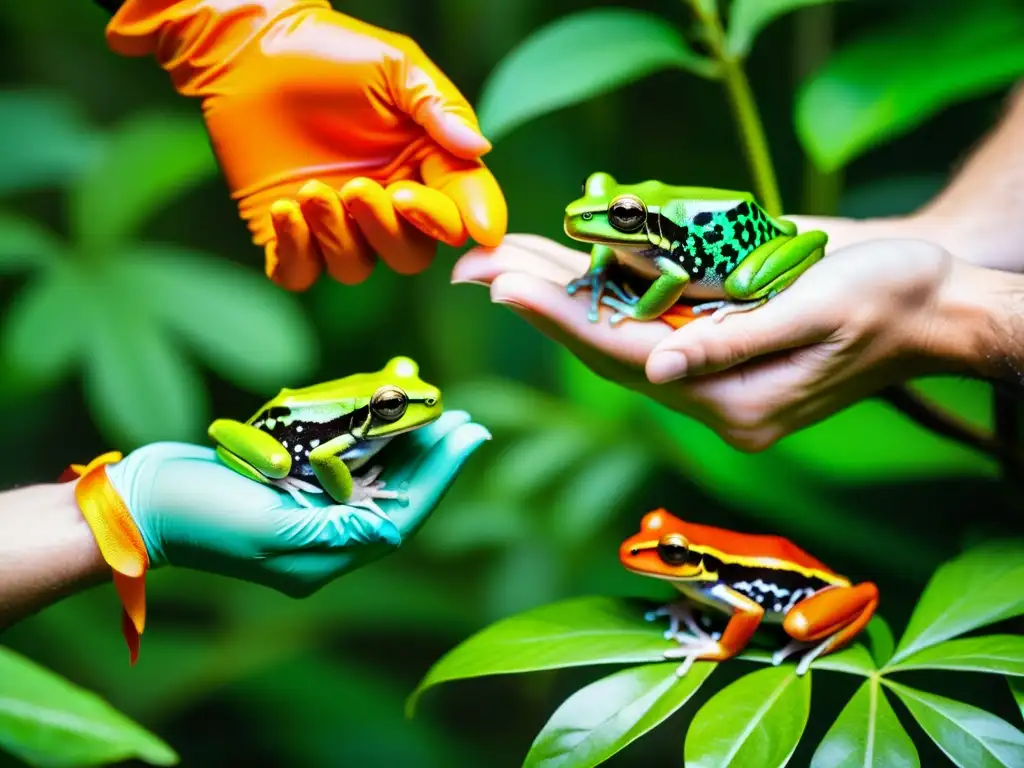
339, 140
177, 504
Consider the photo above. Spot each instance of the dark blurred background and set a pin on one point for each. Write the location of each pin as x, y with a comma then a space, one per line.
232, 671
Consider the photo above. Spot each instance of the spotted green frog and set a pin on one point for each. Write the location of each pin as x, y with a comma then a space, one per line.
312, 439
695, 241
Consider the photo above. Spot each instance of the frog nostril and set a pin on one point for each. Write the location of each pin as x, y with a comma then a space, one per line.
587, 216
634, 551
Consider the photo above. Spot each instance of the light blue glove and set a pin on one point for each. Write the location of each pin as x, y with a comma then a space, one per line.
194, 512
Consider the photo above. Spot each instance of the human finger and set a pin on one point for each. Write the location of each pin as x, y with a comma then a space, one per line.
293, 259
398, 243
630, 343
475, 192
347, 256
520, 253
433, 213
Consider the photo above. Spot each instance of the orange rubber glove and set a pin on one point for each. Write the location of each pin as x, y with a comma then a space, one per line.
341, 141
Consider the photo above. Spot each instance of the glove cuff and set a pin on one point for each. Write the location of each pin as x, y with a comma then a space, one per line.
118, 539
193, 39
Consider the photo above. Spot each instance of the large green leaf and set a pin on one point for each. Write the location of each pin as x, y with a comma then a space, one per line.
980, 587
754, 723
748, 17
45, 327
604, 717
48, 721
1001, 654
970, 737
25, 245
138, 385
575, 632
147, 162
44, 141
934, 58
854, 660
245, 328
867, 733
576, 58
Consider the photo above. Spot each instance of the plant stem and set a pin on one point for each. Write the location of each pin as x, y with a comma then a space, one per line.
744, 108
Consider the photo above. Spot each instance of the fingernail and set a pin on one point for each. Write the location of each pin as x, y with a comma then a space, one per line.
466, 281
666, 366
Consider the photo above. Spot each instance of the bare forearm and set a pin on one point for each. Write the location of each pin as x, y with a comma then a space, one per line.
47, 550
979, 216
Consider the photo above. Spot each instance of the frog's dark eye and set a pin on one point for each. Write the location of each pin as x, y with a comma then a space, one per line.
389, 403
672, 549
627, 213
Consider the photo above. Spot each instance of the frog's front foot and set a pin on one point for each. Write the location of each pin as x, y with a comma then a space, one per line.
595, 280
691, 651
296, 488
681, 613
367, 489
723, 308
625, 309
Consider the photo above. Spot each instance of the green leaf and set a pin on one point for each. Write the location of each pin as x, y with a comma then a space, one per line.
604, 717
538, 459
882, 642
242, 325
138, 385
970, 737
44, 141
147, 162
25, 245
46, 720
932, 60
980, 587
571, 633
1017, 690
576, 58
755, 722
854, 660
44, 329
748, 17
1000, 654
866, 733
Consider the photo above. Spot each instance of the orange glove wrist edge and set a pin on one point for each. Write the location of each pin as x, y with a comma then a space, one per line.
118, 539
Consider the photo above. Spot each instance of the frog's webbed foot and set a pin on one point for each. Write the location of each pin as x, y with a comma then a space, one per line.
814, 650
793, 646
624, 309
296, 487
691, 650
596, 281
723, 308
681, 613
366, 489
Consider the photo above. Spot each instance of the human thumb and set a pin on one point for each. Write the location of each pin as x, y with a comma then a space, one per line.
433, 101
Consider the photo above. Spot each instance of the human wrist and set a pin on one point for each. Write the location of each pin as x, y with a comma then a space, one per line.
47, 550
974, 326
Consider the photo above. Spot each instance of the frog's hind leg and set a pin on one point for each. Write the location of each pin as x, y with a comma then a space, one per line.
827, 620
337, 480
250, 451
766, 271
595, 280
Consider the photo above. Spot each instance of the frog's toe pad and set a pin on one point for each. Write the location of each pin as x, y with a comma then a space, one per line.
296, 488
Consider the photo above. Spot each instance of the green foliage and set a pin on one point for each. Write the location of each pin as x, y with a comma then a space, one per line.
748, 17
932, 59
866, 733
759, 719
604, 717
51, 723
772, 705
130, 312
576, 58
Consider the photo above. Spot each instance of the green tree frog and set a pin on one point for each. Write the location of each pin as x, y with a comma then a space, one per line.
695, 241
312, 439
